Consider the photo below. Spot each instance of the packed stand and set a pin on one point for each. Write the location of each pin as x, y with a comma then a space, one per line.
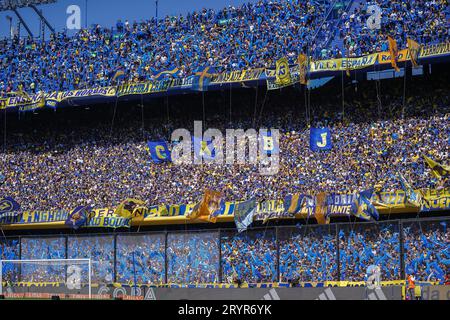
141, 259
308, 254
101, 252
427, 254
420, 20
234, 38
85, 159
193, 258
369, 244
249, 257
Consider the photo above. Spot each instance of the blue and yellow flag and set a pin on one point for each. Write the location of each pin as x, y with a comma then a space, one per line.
270, 145
129, 208
294, 203
171, 71
437, 169
320, 139
9, 207
159, 151
118, 74
363, 208
283, 73
244, 213
203, 149
78, 217
202, 78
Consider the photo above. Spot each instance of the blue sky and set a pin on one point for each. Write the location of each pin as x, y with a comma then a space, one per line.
107, 12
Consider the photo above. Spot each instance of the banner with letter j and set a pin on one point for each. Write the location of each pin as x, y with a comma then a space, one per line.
320, 139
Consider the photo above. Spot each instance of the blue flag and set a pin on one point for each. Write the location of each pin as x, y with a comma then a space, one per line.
78, 217
243, 214
270, 145
8, 207
320, 139
172, 71
203, 149
202, 78
363, 208
159, 151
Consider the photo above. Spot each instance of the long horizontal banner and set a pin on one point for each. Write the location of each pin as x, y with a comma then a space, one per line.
54, 99
338, 205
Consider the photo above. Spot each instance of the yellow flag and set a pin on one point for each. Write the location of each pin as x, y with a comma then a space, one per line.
207, 209
438, 170
129, 208
414, 48
393, 50
320, 212
282, 73
303, 67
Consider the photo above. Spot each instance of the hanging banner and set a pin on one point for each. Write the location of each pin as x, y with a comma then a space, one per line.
238, 76
104, 218
143, 88
385, 57
344, 64
435, 50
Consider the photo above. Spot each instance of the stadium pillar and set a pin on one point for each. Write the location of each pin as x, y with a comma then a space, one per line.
402, 250
115, 258
165, 258
220, 255
338, 261
278, 253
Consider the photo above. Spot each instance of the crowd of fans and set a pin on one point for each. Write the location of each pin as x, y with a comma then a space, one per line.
308, 255
369, 244
426, 246
289, 254
84, 158
141, 259
234, 38
101, 252
193, 258
249, 257
423, 21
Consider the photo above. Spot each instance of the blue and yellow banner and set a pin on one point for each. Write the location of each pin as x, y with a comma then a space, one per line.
320, 139
107, 219
202, 78
159, 151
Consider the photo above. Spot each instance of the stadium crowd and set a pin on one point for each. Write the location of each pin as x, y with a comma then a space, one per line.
308, 255
90, 161
249, 257
252, 35
234, 38
141, 259
301, 254
193, 258
424, 21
